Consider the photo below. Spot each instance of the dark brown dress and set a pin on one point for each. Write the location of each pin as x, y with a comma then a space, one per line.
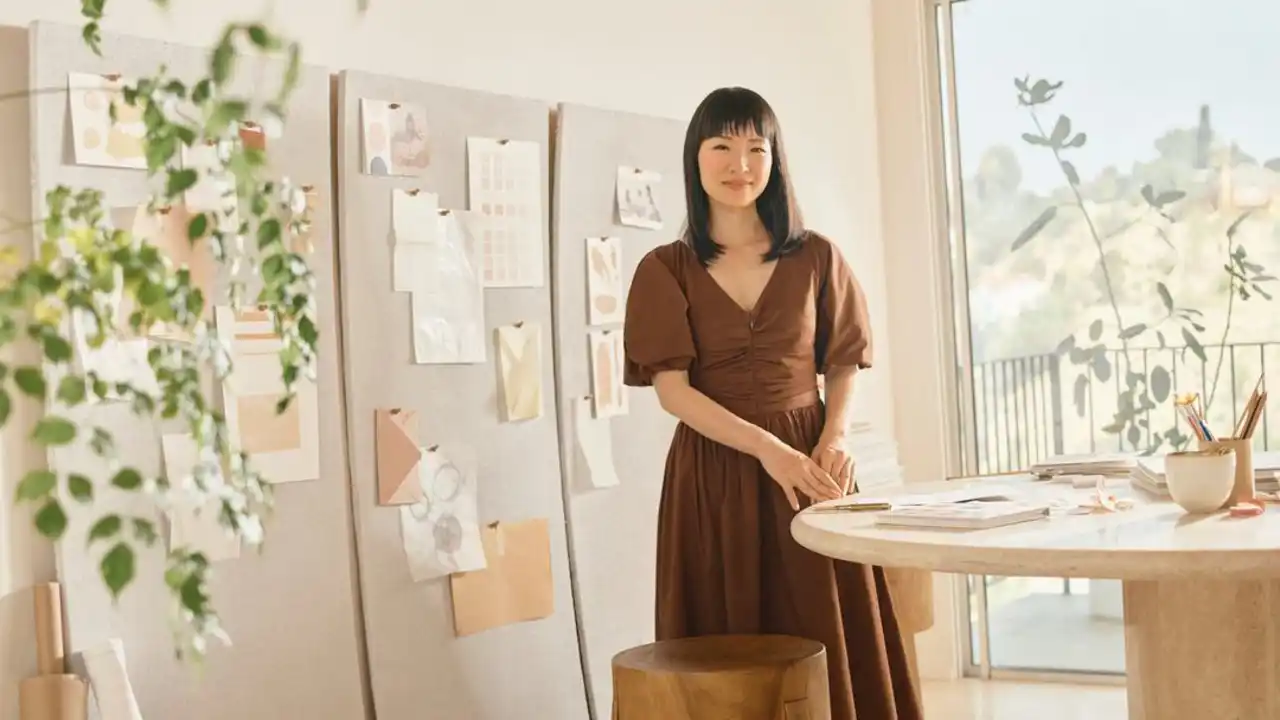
726, 560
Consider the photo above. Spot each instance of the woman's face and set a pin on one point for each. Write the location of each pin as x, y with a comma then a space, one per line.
735, 168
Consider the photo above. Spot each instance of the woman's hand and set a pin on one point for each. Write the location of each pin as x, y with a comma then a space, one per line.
793, 471
831, 455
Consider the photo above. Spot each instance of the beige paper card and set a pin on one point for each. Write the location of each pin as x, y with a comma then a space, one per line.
396, 139
606, 373
413, 216
604, 281
396, 438
97, 140
285, 447
596, 443
520, 363
516, 584
192, 525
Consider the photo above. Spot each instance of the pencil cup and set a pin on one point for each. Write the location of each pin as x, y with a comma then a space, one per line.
1243, 487
1201, 481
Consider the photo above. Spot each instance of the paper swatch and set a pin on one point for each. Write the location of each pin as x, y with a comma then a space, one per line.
637, 198
606, 373
505, 190
447, 294
441, 532
604, 281
396, 138
516, 584
285, 447
396, 435
97, 140
596, 444
520, 365
109, 678
192, 524
215, 190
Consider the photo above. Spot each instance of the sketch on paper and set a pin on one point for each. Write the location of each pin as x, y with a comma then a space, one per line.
606, 373
396, 138
504, 192
285, 447
520, 364
637, 198
447, 293
596, 445
98, 140
193, 524
604, 281
441, 531
396, 438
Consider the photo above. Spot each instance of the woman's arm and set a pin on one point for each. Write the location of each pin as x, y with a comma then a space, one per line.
838, 397
708, 417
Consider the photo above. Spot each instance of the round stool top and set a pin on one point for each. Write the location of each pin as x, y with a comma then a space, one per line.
712, 653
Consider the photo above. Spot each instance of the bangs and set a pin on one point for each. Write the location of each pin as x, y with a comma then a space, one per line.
736, 111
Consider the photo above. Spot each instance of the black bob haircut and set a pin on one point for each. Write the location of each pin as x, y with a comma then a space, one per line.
731, 111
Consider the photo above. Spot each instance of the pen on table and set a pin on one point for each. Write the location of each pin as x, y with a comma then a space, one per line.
852, 507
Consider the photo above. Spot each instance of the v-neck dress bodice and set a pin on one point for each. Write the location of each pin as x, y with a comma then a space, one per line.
726, 561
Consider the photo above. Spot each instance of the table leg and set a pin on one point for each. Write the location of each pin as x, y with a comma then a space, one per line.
1202, 649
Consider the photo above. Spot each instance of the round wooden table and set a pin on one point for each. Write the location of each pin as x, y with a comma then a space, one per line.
1201, 592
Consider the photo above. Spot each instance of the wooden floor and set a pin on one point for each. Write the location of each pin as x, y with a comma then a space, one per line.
1006, 700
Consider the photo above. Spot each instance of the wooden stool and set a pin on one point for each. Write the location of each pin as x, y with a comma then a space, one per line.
722, 677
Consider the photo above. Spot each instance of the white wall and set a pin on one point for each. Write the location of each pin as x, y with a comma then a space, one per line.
811, 58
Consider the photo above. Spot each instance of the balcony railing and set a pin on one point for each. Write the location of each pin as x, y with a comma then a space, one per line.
1025, 409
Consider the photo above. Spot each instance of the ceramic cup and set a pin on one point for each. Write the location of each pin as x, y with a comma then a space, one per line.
1200, 481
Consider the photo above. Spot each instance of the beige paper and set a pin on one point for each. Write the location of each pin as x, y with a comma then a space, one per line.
166, 229
606, 373
520, 362
604, 281
97, 140
638, 198
396, 139
441, 531
285, 447
516, 584
504, 190
413, 216
109, 680
596, 443
396, 438
195, 525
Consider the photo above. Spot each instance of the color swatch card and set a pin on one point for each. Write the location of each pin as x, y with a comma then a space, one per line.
638, 198
605, 304
285, 447
520, 365
396, 139
441, 531
505, 192
609, 394
98, 140
515, 585
196, 525
396, 438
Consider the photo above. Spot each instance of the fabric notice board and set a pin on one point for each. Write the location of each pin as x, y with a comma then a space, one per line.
420, 666
612, 527
290, 610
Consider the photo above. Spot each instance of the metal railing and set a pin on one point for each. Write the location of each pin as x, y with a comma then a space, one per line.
1030, 408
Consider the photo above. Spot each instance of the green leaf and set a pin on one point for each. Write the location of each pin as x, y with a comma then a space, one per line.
225, 114
145, 530
118, 568
54, 430
1165, 298
71, 390
1043, 219
51, 520
127, 479
6, 406
107, 527
1133, 331
30, 381
56, 348
180, 181
222, 61
1161, 384
197, 227
1095, 330
259, 36
80, 487
1193, 343
35, 485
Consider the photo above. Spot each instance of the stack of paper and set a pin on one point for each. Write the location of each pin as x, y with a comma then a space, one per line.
876, 455
1108, 464
963, 516
1148, 474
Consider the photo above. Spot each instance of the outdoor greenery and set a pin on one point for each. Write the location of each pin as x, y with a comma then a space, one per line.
119, 285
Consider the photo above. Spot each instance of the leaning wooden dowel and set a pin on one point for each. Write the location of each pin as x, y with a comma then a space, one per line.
50, 654
52, 694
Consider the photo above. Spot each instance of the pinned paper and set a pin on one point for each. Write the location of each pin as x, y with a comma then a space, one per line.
447, 292
166, 229
504, 191
515, 586
596, 443
413, 216
637, 198
520, 362
396, 138
604, 281
398, 457
606, 373
441, 531
97, 139
252, 136
195, 525
215, 190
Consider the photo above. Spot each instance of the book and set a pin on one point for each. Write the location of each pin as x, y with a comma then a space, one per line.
963, 516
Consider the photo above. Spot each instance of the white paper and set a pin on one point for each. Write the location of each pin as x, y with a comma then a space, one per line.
596, 444
609, 393
413, 216
638, 198
441, 533
520, 369
95, 139
215, 189
193, 525
505, 191
604, 281
447, 296
396, 139
284, 448
109, 679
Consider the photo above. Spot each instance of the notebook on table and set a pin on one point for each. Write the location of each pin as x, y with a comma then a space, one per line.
963, 516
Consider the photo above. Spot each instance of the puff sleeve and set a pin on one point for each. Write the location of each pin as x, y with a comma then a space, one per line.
843, 334
656, 332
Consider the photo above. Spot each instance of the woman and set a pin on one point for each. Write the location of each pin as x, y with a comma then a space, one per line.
732, 325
